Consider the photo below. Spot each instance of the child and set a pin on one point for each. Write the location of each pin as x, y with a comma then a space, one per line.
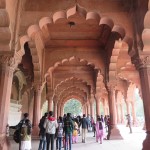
75, 133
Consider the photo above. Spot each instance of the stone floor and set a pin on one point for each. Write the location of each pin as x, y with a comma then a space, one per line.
130, 141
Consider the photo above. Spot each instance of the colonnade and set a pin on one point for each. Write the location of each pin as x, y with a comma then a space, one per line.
6, 76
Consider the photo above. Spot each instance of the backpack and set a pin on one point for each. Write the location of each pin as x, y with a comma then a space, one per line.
60, 129
16, 136
100, 126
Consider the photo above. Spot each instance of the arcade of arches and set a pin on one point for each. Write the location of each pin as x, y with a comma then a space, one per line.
93, 51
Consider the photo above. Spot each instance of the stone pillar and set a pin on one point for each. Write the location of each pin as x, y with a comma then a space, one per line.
55, 110
115, 133
128, 107
59, 110
134, 114
92, 109
83, 110
97, 106
122, 113
62, 110
142, 63
6, 76
50, 102
36, 110
117, 110
88, 109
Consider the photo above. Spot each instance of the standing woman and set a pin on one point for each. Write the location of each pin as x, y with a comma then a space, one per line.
99, 130
26, 135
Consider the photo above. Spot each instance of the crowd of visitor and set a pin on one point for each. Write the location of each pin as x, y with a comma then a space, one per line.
64, 129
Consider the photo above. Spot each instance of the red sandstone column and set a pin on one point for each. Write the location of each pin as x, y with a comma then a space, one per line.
117, 110
58, 111
6, 76
55, 109
143, 65
50, 103
97, 106
62, 110
134, 114
128, 107
92, 109
122, 113
115, 133
36, 110
88, 109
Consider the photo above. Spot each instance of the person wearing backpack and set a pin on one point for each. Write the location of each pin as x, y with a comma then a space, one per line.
68, 130
59, 133
99, 130
26, 135
42, 134
50, 126
17, 134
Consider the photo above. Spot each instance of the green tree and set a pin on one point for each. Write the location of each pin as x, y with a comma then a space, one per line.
73, 106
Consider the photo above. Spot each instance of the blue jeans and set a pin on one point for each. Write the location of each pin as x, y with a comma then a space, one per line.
42, 144
68, 137
58, 143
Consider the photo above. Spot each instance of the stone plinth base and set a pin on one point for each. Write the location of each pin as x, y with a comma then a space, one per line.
115, 134
35, 132
146, 142
4, 143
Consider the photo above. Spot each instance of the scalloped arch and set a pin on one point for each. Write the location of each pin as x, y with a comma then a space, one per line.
75, 14
69, 60
68, 80
113, 60
73, 89
70, 88
73, 96
35, 59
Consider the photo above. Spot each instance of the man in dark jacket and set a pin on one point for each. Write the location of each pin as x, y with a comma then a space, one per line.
84, 126
42, 134
68, 129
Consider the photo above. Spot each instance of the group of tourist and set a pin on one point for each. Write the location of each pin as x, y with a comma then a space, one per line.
65, 130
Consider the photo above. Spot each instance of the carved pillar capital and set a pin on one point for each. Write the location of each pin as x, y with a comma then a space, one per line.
111, 86
8, 61
142, 61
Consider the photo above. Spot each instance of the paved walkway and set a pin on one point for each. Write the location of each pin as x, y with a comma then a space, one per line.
130, 142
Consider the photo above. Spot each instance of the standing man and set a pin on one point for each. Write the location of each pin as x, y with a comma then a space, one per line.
68, 130
42, 144
129, 122
84, 126
50, 126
